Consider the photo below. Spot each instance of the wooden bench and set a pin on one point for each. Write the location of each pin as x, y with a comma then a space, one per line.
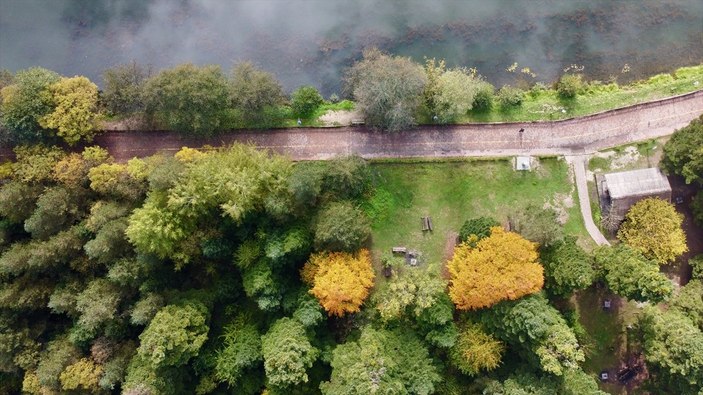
426, 224
357, 122
399, 250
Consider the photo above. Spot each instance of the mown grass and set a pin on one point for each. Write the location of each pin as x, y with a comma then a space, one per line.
543, 103
452, 192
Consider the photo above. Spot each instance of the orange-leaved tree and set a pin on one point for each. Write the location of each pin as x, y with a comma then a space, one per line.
339, 280
500, 267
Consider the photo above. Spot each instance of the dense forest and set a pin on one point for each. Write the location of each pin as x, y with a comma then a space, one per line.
233, 270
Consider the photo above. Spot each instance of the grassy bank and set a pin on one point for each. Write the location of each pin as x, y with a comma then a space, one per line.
451, 192
542, 103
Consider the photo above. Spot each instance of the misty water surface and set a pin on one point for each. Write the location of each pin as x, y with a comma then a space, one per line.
312, 41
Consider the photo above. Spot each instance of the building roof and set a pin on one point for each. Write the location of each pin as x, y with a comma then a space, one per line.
636, 183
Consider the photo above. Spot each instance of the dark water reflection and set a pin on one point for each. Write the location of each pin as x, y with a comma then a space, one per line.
312, 41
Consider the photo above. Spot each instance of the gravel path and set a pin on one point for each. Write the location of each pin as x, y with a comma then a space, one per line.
579, 165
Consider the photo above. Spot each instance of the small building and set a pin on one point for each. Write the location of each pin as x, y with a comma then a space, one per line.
523, 163
619, 191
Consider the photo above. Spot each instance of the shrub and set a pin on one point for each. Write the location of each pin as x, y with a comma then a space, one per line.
305, 100
569, 85
483, 100
509, 96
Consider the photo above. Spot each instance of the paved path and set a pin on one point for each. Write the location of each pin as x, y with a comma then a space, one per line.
573, 136
579, 165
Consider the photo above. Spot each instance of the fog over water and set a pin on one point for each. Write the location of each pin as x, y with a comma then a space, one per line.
313, 41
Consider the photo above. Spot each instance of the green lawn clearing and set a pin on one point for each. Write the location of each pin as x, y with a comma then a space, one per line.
451, 192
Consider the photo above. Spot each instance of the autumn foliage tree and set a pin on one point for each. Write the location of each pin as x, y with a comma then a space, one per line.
340, 281
502, 266
653, 227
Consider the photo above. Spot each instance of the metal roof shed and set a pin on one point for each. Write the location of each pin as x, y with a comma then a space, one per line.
628, 187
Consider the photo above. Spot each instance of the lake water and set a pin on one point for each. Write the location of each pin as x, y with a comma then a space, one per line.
313, 41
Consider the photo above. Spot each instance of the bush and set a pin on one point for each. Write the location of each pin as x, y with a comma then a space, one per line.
569, 85
509, 96
305, 100
483, 100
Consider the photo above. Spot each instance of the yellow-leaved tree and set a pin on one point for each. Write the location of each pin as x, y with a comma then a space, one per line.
500, 267
75, 101
653, 227
339, 280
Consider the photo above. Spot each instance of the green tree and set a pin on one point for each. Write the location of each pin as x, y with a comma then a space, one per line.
305, 101
124, 89
56, 208
97, 304
17, 200
409, 294
382, 362
673, 344
479, 227
387, 89
683, 152
483, 99
476, 350
241, 349
697, 208
532, 325
346, 177
537, 224
74, 109
252, 91
457, 90
27, 101
287, 353
689, 301
567, 267
175, 334
341, 227
189, 99
631, 275
36, 164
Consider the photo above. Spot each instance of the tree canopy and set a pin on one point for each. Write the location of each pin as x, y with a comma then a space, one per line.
653, 227
189, 99
75, 102
683, 152
388, 89
340, 281
381, 362
631, 275
26, 102
502, 266
567, 267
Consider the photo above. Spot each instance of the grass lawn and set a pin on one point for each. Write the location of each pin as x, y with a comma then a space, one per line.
451, 192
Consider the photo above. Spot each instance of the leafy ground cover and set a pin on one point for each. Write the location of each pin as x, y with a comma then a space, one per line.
451, 192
